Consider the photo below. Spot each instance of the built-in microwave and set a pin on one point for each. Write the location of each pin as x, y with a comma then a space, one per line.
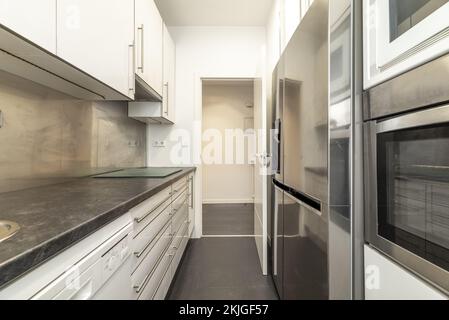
402, 34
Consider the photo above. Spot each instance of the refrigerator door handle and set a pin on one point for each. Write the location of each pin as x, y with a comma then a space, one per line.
310, 207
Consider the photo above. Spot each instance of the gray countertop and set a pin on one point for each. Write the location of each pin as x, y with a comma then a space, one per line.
52, 218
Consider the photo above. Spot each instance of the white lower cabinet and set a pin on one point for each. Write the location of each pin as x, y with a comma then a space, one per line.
159, 245
387, 280
134, 257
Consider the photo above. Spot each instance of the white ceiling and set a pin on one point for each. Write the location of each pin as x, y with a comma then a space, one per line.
215, 12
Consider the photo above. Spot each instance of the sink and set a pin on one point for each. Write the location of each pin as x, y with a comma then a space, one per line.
8, 229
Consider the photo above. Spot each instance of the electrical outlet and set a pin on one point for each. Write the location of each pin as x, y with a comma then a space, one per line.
159, 144
133, 143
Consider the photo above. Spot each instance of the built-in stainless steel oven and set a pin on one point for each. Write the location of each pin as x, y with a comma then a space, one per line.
406, 164
407, 196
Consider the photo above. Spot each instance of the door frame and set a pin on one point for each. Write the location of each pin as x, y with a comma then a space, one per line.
197, 150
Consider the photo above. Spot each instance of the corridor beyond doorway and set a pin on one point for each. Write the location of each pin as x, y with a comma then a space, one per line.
229, 151
228, 219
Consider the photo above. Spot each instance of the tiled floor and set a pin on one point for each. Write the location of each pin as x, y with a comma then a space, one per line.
228, 219
221, 269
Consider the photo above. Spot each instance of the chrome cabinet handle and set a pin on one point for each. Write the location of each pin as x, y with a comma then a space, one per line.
140, 219
154, 240
142, 48
166, 85
174, 211
131, 68
171, 255
138, 288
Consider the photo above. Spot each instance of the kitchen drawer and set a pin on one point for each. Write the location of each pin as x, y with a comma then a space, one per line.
147, 209
150, 287
179, 236
143, 240
179, 186
164, 285
145, 265
180, 217
183, 239
179, 200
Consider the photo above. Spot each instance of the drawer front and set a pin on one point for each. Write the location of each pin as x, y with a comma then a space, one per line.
147, 209
179, 186
181, 247
143, 240
179, 201
179, 236
147, 263
150, 288
181, 216
162, 291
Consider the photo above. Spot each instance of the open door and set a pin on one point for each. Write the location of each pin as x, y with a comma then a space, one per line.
260, 167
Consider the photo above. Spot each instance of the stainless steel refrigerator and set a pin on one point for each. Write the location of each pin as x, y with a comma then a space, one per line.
299, 147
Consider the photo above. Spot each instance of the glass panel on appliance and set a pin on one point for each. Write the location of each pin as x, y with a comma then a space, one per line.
404, 15
413, 191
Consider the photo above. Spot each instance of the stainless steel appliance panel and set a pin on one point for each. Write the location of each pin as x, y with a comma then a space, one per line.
278, 240
340, 151
407, 172
305, 110
305, 251
422, 87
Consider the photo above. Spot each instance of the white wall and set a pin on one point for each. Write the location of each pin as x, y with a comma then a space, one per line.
206, 52
225, 107
284, 19
220, 52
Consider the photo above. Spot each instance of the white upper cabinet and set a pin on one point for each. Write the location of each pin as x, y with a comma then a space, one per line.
149, 39
33, 20
168, 103
98, 38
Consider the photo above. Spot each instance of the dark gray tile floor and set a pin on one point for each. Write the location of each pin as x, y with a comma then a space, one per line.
221, 269
228, 219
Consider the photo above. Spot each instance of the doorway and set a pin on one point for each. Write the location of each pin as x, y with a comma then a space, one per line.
228, 156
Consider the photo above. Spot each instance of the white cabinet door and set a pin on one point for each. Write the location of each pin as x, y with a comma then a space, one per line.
97, 37
168, 103
149, 53
34, 20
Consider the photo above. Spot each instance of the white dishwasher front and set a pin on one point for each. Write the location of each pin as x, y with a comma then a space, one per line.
104, 274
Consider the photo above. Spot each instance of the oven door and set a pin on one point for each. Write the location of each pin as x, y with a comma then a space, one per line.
407, 196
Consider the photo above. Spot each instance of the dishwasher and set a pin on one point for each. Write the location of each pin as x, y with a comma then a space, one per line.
103, 274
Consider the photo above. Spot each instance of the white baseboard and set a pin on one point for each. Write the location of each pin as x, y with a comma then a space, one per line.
228, 201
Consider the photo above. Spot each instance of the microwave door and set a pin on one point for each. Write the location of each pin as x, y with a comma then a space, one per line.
405, 25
